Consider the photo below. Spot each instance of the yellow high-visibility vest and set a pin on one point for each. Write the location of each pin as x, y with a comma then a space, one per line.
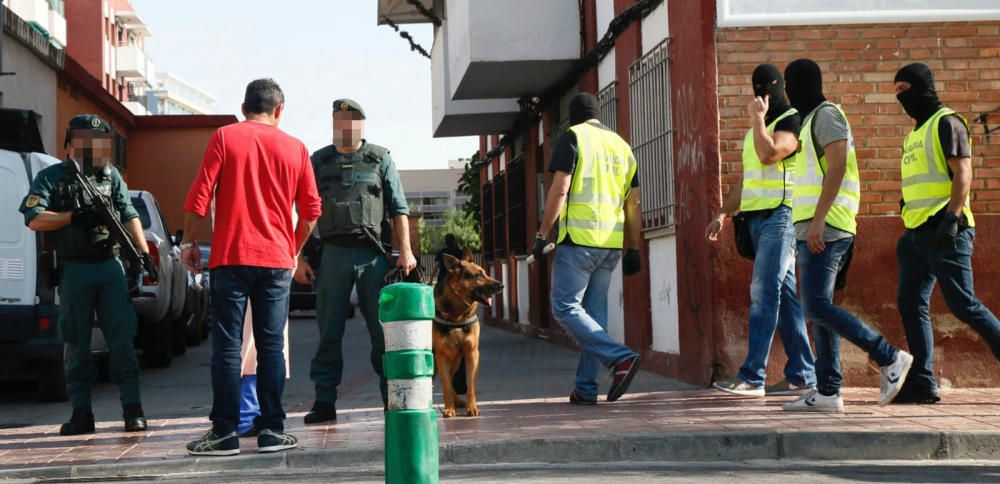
765, 186
810, 170
594, 215
925, 175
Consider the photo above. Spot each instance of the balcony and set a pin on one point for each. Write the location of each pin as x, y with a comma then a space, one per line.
57, 28
463, 117
132, 63
31, 11
509, 49
401, 12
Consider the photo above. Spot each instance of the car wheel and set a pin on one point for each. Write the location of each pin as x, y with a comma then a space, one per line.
157, 347
52, 381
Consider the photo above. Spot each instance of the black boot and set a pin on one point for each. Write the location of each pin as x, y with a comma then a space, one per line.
82, 422
321, 412
135, 421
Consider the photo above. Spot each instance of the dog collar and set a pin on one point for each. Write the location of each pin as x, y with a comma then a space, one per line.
464, 324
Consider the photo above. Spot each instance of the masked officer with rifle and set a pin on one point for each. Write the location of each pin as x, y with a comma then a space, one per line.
360, 189
101, 254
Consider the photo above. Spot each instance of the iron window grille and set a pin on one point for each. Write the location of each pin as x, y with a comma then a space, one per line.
652, 135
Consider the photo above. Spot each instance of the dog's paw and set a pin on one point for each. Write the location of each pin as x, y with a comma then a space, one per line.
472, 411
448, 412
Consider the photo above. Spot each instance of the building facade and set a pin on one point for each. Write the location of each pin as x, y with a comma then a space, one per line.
432, 193
173, 95
675, 85
29, 63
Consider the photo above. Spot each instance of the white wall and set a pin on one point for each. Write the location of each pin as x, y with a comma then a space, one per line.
745, 13
616, 306
606, 69
523, 288
663, 294
655, 28
32, 87
505, 278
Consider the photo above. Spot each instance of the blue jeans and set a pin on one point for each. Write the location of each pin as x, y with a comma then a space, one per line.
580, 280
818, 274
921, 264
267, 291
249, 406
774, 302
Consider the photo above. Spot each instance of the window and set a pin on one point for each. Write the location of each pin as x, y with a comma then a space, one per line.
516, 208
607, 98
499, 219
120, 155
487, 221
649, 92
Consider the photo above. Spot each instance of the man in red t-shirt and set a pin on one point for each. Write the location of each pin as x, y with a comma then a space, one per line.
256, 173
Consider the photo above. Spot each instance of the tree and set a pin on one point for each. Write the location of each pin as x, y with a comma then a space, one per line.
469, 186
460, 224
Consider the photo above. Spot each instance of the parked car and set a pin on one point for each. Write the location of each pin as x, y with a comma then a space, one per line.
29, 297
205, 279
161, 306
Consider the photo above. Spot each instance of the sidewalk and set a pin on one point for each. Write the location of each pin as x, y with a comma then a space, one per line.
526, 418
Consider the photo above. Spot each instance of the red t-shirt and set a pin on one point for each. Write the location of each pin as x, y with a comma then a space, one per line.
256, 173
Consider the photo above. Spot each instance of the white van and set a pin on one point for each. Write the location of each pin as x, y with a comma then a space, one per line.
29, 345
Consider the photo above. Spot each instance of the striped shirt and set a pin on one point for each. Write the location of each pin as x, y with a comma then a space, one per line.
828, 126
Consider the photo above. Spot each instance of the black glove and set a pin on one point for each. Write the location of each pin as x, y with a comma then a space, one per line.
85, 216
631, 263
538, 250
149, 267
947, 231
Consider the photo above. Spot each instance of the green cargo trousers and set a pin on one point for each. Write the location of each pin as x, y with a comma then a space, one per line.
100, 286
341, 268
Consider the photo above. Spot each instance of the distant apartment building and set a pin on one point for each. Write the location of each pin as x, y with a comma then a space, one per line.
431, 193
173, 95
109, 42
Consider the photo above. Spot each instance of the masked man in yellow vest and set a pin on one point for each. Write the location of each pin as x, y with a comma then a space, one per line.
595, 196
825, 204
765, 199
937, 246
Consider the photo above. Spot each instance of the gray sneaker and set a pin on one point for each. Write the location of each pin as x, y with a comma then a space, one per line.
785, 389
737, 386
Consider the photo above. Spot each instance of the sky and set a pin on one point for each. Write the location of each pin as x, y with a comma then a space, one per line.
318, 51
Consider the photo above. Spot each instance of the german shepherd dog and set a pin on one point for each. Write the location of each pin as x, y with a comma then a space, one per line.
457, 297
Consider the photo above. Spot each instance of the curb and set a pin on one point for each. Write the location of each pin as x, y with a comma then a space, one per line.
700, 446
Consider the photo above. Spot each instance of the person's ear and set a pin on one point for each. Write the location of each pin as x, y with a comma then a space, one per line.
243, 108
278, 110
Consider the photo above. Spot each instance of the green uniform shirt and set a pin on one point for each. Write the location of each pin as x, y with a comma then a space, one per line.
54, 190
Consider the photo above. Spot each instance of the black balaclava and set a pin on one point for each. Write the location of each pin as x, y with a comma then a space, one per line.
767, 81
920, 101
804, 85
582, 108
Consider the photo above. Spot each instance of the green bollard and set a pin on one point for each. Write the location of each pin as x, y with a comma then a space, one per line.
406, 311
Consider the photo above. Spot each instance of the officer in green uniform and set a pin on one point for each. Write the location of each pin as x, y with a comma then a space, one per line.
92, 278
360, 189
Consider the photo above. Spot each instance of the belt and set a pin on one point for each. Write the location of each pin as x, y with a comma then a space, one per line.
449, 325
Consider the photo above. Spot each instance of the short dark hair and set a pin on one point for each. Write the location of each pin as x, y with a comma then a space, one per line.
263, 95
450, 240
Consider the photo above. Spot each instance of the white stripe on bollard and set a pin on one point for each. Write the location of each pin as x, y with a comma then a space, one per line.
415, 394
407, 335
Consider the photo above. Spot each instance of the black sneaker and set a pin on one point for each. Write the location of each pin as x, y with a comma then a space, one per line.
82, 422
916, 394
321, 412
271, 441
135, 420
623, 373
214, 445
576, 399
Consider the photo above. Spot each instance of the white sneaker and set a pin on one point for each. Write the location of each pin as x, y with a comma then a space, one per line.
893, 376
814, 401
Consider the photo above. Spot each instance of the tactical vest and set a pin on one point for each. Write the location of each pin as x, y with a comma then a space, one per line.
810, 170
74, 241
765, 187
351, 188
594, 214
925, 175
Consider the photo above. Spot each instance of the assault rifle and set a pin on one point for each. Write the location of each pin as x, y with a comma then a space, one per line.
135, 261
